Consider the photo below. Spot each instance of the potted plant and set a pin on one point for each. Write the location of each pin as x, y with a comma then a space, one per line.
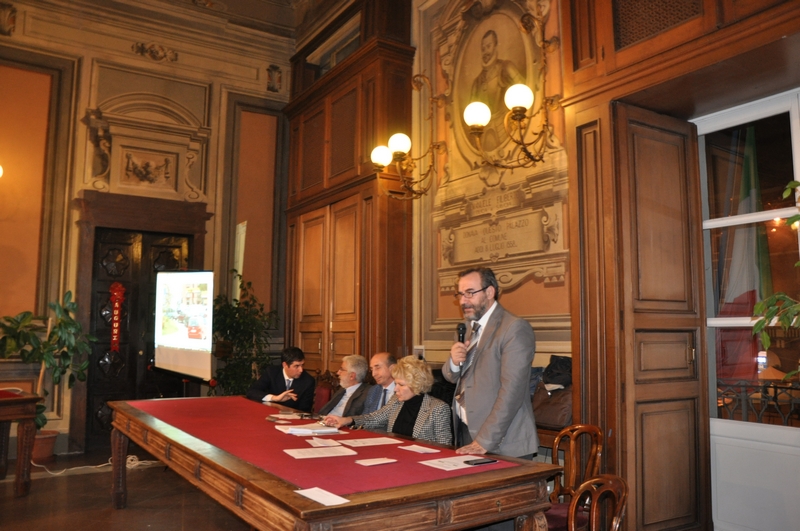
56, 343
241, 328
779, 308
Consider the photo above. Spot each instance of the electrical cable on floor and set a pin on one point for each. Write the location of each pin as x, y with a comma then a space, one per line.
131, 462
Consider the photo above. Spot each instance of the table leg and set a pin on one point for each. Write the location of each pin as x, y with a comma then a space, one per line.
5, 429
119, 454
26, 432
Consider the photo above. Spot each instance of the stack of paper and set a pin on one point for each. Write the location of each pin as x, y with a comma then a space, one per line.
308, 429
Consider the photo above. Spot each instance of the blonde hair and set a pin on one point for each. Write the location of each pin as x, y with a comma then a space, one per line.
416, 373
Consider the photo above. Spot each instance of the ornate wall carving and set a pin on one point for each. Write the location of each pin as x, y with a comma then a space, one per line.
8, 19
148, 145
511, 220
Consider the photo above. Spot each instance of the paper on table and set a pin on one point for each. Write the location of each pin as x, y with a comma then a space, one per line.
309, 453
450, 463
322, 496
375, 441
287, 416
420, 449
309, 429
322, 442
375, 461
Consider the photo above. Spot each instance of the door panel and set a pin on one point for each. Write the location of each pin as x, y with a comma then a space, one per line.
132, 259
659, 215
665, 421
664, 356
668, 435
328, 265
345, 300
311, 288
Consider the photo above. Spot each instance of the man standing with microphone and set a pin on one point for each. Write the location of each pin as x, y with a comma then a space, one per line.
491, 369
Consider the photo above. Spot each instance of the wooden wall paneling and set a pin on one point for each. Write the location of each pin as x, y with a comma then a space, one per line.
595, 270
664, 377
640, 14
314, 151
345, 130
390, 20
311, 297
734, 10
369, 118
581, 56
345, 279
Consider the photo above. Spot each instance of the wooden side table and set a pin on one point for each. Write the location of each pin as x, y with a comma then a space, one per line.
20, 407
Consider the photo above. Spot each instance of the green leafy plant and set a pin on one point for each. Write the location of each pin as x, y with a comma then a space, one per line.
779, 308
242, 331
56, 343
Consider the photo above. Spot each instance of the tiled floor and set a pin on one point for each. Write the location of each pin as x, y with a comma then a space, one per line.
158, 499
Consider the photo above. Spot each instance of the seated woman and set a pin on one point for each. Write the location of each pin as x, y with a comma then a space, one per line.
410, 411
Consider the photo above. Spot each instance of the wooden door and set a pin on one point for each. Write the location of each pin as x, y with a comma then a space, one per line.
344, 281
133, 259
328, 283
664, 434
310, 312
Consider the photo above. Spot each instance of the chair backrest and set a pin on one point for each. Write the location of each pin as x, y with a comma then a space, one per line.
569, 480
327, 384
590, 498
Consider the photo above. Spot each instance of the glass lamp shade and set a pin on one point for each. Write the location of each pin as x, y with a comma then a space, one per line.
477, 113
1, 171
399, 143
381, 156
518, 96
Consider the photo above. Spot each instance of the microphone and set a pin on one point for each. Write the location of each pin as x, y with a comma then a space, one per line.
462, 335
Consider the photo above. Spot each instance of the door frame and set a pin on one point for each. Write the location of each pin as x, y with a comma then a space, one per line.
125, 212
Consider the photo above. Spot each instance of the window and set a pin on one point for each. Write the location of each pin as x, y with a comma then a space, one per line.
747, 156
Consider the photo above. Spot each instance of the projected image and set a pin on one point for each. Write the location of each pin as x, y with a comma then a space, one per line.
185, 314
184, 306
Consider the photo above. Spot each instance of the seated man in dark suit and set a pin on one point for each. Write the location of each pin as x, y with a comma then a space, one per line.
381, 366
349, 400
287, 383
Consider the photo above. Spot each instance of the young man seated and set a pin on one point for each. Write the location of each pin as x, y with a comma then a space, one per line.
286, 384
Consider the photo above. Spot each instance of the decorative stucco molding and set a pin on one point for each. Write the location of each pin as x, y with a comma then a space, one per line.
154, 51
8, 19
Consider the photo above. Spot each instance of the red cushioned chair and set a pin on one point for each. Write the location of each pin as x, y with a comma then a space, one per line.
567, 482
590, 498
327, 383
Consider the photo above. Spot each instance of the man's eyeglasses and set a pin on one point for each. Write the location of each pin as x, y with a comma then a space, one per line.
468, 294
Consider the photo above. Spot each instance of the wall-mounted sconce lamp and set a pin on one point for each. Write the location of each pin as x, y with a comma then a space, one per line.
398, 152
519, 100
1, 171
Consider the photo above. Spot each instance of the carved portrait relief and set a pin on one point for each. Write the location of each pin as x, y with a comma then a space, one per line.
511, 220
494, 57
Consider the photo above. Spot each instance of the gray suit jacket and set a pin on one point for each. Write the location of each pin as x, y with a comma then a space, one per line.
354, 406
497, 387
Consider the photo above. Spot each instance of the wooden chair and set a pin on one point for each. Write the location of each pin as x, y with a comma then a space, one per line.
567, 482
602, 499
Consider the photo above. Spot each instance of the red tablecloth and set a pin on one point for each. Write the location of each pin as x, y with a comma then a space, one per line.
239, 427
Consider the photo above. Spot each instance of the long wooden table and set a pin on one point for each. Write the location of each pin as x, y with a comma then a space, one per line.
268, 502
20, 407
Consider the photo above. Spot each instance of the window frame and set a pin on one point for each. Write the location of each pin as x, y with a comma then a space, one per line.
788, 101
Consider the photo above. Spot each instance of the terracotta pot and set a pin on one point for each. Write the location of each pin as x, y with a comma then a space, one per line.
43, 446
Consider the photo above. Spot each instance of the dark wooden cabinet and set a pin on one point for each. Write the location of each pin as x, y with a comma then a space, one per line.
352, 109
349, 240
614, 42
